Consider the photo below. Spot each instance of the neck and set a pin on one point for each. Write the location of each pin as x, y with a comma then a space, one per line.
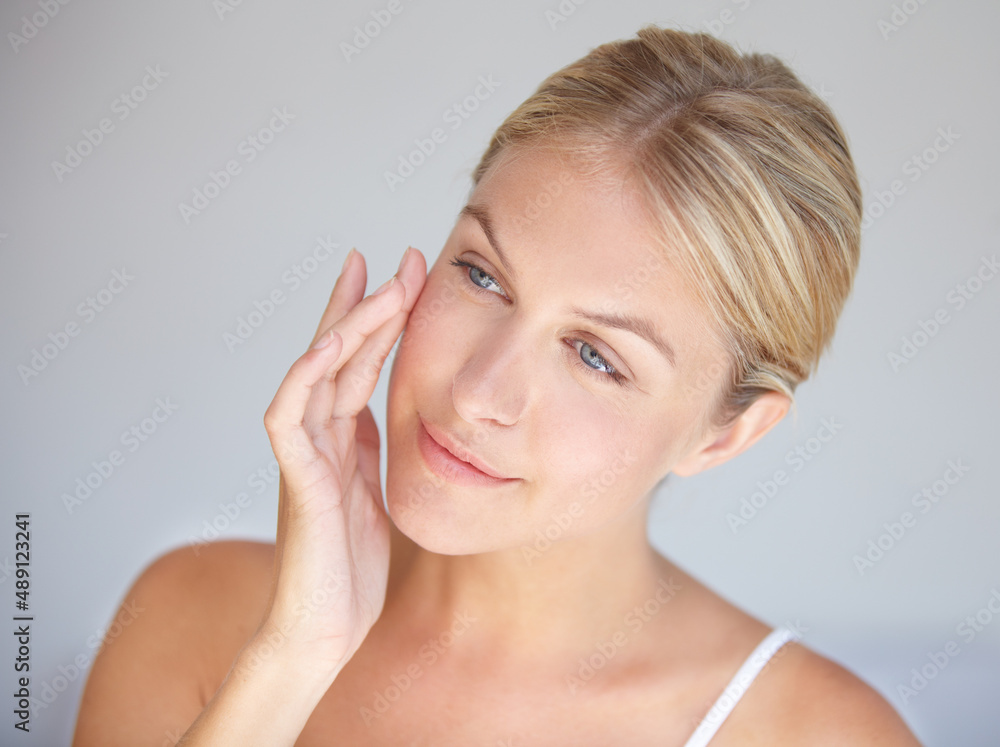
564, 597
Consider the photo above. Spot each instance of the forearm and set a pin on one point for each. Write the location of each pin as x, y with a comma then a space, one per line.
266, 699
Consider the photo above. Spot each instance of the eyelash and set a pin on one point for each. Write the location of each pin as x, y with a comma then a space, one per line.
611, 375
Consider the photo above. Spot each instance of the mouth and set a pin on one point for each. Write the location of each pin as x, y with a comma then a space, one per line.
441, 453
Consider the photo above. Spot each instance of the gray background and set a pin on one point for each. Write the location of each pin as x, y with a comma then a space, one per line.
162, 336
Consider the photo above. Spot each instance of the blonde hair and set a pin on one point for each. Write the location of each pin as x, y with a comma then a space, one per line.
746, 176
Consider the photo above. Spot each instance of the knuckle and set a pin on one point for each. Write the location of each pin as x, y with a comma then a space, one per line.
271, 421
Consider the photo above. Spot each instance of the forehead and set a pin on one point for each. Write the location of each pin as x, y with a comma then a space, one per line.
585, 238
542, 194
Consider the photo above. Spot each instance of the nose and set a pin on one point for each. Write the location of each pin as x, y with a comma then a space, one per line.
492, 384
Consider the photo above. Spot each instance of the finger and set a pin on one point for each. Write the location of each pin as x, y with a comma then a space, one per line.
358, 377
353, 329
283, 418
357, 380
342, 301
347, 292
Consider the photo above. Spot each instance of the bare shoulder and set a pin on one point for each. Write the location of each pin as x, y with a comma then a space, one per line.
179, 627
205, 597
802, 697
227, 576
799, 697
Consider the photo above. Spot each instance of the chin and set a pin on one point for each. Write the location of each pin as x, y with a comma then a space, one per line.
442, 512
443, 517
438, 516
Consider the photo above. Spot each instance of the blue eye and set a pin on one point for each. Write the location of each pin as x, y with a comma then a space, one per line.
475, 270
593, 355
608, 373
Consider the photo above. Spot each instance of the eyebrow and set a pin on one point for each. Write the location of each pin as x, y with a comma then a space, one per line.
613, 320
486, 223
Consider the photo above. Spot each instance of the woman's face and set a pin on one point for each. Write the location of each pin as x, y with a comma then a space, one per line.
526, 362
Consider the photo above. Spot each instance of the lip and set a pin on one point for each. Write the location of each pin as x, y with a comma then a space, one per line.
440, 451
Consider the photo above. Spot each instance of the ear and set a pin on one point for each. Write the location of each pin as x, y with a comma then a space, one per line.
720, 445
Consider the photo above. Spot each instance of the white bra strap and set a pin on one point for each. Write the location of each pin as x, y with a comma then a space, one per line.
739, 684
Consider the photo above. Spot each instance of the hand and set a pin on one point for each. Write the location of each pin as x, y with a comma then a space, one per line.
332, 546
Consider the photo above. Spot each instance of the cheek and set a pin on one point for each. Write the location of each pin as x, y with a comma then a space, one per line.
592, 452
439, 302
584, 447
420, 352
623, 455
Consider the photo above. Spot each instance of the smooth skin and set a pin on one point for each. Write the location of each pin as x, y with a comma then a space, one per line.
436, 624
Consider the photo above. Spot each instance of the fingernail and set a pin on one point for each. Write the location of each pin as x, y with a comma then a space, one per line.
403, 260
385, 286
347, 259
325, 340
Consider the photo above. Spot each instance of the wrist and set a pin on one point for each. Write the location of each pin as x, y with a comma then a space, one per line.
272, 654
266, 699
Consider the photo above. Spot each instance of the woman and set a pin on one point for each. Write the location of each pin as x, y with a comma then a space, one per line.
655, 253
